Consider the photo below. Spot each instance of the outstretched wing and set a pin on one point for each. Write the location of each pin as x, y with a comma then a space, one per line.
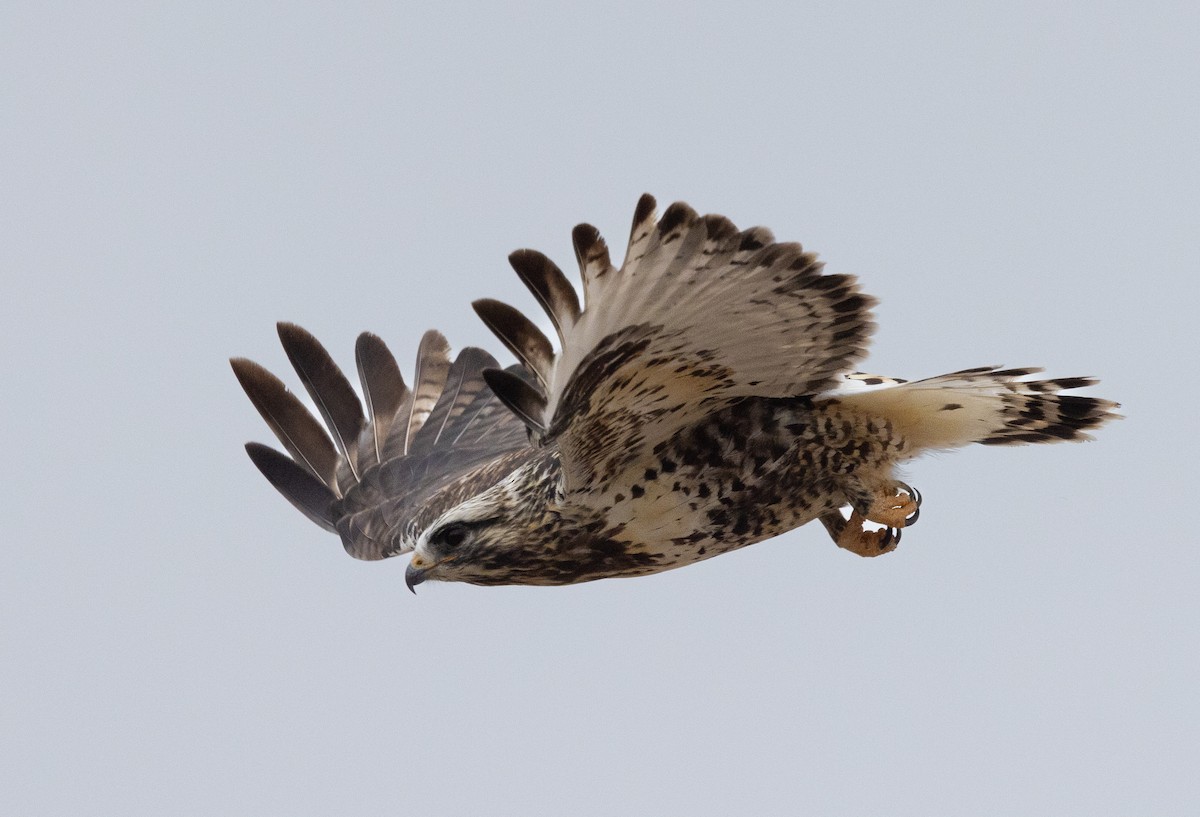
699, 315
377, 478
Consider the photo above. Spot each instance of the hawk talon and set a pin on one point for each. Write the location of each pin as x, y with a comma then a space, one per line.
911, 491
897, 505
849, 535
891, 536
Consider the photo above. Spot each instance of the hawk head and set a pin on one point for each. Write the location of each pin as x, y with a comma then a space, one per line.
519, 531
490, 539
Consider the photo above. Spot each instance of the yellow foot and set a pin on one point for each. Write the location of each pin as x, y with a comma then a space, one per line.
895, 504
849, 534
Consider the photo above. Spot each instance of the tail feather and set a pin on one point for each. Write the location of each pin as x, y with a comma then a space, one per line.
987, 405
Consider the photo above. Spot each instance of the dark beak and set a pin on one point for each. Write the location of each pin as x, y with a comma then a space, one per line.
414, 576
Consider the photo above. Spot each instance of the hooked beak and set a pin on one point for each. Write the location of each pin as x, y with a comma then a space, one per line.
414, 575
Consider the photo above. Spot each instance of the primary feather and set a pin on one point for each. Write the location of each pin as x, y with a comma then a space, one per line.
383, 388
429, 448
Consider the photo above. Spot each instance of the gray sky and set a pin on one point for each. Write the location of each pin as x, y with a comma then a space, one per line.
1017, 185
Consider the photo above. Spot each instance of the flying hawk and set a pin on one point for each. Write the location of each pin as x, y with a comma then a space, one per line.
701, 398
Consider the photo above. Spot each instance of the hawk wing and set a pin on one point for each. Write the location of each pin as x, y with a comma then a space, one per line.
699, 315
377, 478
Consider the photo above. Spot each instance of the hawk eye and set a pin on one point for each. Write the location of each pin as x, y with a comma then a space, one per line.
453, 535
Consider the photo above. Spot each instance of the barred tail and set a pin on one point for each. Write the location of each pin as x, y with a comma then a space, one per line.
987, 405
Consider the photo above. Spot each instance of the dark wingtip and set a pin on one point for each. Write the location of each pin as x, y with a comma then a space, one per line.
260, 385
546, 281
306, 493
288, 418
522, 399
645, 209
675, 215
245, 369
482, 305
368, 341
328, 387
519, 334
384, 390
583, 238
292, 335
522, 258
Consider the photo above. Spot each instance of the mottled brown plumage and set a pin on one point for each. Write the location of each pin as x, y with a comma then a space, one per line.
700, 400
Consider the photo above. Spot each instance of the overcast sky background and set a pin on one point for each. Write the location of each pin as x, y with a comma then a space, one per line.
1017, 184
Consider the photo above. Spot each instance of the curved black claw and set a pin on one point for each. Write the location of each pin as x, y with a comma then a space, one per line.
911, 491
916, 498
891, 539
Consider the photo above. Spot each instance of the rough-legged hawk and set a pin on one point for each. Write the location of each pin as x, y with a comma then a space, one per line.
701, 398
